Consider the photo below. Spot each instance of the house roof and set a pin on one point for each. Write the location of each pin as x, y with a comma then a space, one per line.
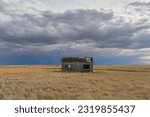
76, 59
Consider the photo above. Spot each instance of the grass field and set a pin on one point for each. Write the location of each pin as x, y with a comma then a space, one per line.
48, 82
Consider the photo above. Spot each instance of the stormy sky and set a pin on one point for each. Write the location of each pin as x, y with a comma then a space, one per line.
42, 31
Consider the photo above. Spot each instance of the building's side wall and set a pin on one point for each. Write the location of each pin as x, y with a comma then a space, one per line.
76, 67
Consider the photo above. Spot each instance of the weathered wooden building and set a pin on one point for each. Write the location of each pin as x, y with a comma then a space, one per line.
77, 64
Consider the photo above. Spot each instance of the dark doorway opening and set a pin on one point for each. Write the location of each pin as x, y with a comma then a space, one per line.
86, 66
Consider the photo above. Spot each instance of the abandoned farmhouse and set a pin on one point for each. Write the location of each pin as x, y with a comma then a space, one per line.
77, 64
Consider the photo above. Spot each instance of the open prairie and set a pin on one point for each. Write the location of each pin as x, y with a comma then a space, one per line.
48, 82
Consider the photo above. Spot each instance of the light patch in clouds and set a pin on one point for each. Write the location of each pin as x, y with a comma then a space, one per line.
139, 10
145, 58
139, 4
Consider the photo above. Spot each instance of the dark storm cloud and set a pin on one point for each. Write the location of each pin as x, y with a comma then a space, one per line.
79, 26
49, 28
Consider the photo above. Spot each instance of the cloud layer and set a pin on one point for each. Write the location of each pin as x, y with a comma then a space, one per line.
77, 26
96, 30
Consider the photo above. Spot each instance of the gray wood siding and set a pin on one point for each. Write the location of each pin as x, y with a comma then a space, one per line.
76, 67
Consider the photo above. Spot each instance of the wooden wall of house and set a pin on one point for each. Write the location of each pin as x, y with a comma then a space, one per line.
76, 67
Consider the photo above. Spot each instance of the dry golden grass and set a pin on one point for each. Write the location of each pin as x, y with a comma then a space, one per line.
48, 82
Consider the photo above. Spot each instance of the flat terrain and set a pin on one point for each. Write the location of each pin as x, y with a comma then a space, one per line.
48, 82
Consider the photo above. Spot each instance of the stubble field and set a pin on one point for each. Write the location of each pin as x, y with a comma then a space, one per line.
48, 82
